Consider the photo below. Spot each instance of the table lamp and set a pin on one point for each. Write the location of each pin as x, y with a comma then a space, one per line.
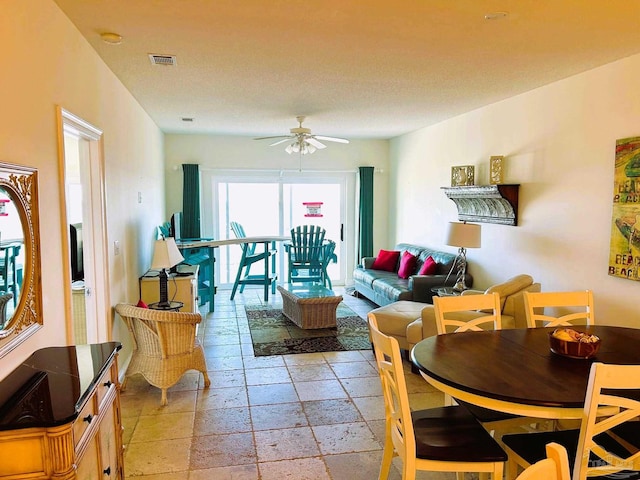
463, 235
165, 255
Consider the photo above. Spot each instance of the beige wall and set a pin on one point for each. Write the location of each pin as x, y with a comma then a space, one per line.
46, 62
559, 145
228, 152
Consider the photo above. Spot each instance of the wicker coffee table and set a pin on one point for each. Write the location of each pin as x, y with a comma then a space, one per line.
309, 306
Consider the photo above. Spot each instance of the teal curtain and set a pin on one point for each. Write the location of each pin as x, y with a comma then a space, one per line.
365, 221
190, 201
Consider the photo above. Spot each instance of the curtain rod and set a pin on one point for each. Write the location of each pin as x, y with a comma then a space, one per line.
281, 170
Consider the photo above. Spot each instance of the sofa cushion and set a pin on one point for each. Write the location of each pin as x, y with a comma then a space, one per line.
366, 276
429, 267
407, 265
386, 260
390, 286
394, 318
509, 287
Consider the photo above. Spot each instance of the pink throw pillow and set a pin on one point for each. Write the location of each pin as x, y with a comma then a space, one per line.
141, 304
429, 267
407, 265
386, 260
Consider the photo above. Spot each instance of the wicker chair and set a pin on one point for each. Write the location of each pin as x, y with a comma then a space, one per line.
164, 346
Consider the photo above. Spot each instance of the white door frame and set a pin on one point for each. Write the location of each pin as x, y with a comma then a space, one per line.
96, 265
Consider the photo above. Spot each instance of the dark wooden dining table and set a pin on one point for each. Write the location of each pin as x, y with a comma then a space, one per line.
514, 370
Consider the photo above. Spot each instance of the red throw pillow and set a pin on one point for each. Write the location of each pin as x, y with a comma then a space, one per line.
386, 260
407, 265
141, 304
429, 267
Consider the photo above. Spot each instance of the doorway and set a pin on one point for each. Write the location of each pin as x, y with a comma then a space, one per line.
83, 231
271, 203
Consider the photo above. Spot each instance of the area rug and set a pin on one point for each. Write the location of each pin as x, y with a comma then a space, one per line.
274, 334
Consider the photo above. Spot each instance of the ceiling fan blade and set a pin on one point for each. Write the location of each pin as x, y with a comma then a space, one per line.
280, 141
332, 139
315, 143
275, 136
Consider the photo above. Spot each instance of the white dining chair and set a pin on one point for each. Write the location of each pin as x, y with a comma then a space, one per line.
445, 439
604, 445
455, 314
447, 307
554, 467
570, 308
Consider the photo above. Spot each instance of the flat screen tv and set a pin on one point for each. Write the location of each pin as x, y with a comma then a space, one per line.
75, 244
176, 225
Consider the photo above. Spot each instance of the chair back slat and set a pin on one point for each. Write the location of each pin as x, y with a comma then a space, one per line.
394, 388
476, 313
609, 386
306, 244
238, 231
569, 308
308, 254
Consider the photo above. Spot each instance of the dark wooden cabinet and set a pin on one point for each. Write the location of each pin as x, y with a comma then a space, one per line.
60, 415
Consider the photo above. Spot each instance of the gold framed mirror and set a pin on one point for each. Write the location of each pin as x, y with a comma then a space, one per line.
20, 274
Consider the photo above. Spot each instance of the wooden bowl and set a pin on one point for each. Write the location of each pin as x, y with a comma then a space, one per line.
573, 349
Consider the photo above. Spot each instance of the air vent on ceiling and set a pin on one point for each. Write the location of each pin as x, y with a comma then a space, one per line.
167, 60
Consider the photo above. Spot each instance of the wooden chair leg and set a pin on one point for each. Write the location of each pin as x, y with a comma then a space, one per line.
207, 381
387, 458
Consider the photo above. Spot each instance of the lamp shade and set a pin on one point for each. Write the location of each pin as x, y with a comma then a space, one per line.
465, 235
165, 254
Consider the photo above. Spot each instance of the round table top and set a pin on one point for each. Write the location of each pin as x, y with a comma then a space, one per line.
513, 370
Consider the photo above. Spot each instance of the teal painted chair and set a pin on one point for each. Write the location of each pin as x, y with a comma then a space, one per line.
10, 270
328, 256
250, 257
307, 254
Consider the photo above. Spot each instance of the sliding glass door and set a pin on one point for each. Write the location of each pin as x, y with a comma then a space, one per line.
271, 203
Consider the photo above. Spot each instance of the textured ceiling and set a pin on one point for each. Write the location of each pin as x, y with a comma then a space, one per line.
356, 69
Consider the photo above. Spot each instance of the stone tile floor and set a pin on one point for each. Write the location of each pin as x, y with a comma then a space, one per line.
289, 417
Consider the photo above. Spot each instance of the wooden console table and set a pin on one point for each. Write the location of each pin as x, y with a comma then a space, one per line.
182, 288
60, 415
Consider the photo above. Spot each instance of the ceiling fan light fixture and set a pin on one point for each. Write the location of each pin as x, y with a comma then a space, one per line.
300, 146
302, 140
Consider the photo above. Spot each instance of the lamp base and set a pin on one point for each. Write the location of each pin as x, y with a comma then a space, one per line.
460, 286
461, 260
164, 290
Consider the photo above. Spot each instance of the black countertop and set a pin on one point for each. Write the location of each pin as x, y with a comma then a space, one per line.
49, 387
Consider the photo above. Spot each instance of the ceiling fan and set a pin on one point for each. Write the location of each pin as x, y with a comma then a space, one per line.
301, 139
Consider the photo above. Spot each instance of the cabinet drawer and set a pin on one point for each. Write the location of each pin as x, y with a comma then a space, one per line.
87, 415
105, 384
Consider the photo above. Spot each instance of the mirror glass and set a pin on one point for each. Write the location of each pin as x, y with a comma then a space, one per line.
20, 289
12, 259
